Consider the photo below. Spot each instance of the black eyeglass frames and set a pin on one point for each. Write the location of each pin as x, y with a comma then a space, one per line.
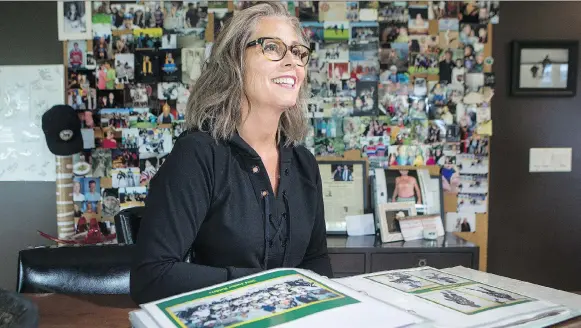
274, 49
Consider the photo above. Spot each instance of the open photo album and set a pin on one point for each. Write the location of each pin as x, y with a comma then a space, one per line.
419, 297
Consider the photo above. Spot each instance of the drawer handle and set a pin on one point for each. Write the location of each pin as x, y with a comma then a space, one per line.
422, 262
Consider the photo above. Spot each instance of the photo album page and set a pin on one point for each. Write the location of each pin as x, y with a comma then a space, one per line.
280, 297
449, 300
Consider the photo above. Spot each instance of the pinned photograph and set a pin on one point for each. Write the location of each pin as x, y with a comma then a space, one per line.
77, 53
110, 99
420, 63
170, 65
393, 12
110, 202
77, 99
148, 168
78, 194
128, 177
365, 102
393, 33
169, 41
418, 19
364, 32
88, 138
142, 118
91, 62
168, 91
334, 52
92, 189
154, 142
154, 14
473, 203
461, 222
147, 66
365, 70
168, 113
191, 38
362, 52
74, 20
124, 68
109, 138
130, 138
196, 14
141, 95
220, 20
473, 184
102, 48
125, 158
132, 196
336, 30
308, 11
192, 63
147, 38
395, 54
123, 43
368, 10
101, 162
444, 9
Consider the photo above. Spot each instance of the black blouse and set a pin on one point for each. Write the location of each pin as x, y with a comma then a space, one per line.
216, 198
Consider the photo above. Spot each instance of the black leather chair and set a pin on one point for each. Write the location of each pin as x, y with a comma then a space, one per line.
98, 269
127, 224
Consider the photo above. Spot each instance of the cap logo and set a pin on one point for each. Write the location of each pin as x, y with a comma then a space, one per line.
66, 135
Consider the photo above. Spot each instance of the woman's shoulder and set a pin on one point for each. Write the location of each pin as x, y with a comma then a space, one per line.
198, 145
305, 163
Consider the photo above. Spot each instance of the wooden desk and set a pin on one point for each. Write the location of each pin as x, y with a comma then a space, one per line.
107, 311
68, 311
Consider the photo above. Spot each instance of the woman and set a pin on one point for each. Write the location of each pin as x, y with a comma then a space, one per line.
236, 189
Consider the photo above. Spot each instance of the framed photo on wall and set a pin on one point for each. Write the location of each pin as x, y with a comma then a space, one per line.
344, 192
74, 20
544, 68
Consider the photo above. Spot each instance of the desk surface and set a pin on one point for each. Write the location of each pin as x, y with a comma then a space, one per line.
450, 240
112, 311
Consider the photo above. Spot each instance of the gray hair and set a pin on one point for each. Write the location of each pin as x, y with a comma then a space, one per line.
215, 100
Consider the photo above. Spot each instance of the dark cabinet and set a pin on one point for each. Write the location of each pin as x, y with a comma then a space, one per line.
365, 254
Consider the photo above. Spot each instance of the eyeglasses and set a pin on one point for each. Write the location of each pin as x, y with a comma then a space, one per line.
274, 49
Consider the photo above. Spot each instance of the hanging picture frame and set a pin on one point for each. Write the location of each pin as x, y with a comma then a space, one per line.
544, 68
74, 20
344, 192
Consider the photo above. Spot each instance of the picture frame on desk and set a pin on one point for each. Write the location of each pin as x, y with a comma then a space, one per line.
345, 192
389, 215
544, 68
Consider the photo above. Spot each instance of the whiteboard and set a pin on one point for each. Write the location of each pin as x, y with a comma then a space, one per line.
26, 92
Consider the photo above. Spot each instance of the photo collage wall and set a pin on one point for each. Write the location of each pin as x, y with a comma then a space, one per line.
406, 83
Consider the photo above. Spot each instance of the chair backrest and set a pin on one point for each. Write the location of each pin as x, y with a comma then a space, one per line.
127, 223
98, 269
17, 311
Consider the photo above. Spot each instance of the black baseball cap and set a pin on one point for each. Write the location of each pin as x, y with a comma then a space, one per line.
62, 130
